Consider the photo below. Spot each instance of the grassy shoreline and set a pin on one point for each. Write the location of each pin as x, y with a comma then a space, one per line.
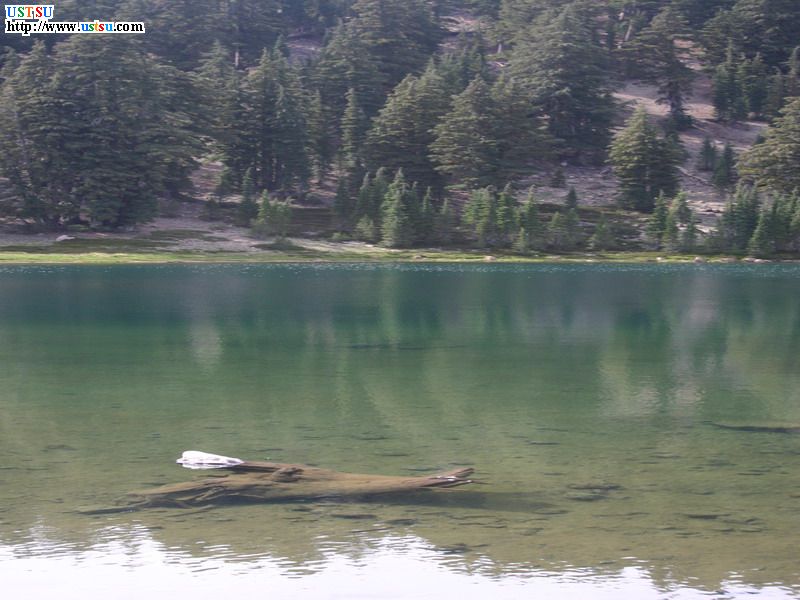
383, 256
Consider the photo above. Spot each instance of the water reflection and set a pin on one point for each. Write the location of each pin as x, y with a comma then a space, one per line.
554, 382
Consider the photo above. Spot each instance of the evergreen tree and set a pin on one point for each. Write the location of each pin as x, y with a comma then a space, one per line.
729, 101
776, 95
426, 229
248, 208
563, 69
371, 195
343, 206
460, 66
708, 156
603, 236
532, 233
680, 207
752, 78
644, 163
446, 224
670, 239
488, 137
125, 121
572, 229
571, 201
273, 218
399, 36
403, 130
320, 137
563, 231
344, 64
480, 214
215, 78
793, 75
366, 230
775, 163
354, 129
397, 223
276, 140
558, 179
771, 27
739, 220
724, 175
506, 214
762, 242
464, 148
656, 60
689, 235
657, 224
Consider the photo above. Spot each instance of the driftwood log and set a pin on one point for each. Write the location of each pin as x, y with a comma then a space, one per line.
250, 481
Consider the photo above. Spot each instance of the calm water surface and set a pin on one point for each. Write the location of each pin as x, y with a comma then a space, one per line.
587, 398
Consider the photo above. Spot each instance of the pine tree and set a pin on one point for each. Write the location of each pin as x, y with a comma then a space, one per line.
729, 100
277, 140
273, 218
531, 224
558, 179
215, 78
562, 232
127, 122
670, 239
775, 163
403, 130
680, 207
572, 229
397, 223
657, 224
446, 224
571, 201
489, 137
464, 148
793, 75
752, 78
563, 69
771, 27
739, 220
689, 235
507, 210
354, 127
344, 64
426, 229
480, 214
724, 176
320, 137
776, 95
399, 36
708, 156
656, 60
366, 230
644, 163
762, 243
248, 208
603, 236
343, 205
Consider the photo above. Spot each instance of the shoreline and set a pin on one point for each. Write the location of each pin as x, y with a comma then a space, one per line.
386, 257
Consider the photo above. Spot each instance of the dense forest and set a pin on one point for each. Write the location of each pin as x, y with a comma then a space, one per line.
418, 122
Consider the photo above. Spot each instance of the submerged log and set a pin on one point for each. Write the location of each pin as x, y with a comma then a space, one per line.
252, 481
760, 427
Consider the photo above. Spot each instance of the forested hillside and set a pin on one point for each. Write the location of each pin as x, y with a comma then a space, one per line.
475, 123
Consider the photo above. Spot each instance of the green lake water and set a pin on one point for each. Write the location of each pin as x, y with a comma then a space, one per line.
588, 398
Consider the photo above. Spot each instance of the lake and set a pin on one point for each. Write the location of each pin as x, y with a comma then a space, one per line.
628, 427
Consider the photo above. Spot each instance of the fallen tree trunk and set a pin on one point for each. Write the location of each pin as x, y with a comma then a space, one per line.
250, 481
